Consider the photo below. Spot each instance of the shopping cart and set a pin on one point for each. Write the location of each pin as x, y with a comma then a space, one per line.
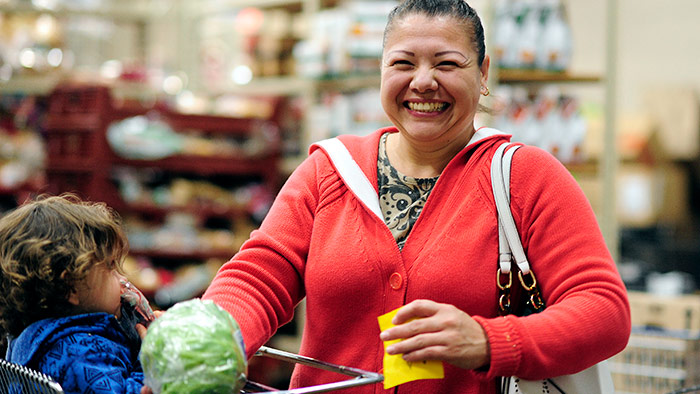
18, 377
687, 390
15, 378
359, 377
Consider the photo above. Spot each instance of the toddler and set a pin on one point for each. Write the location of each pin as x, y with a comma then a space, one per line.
67, 310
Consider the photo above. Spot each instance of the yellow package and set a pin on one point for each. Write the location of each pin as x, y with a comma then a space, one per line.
397, 370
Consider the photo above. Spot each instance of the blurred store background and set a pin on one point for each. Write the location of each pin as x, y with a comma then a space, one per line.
187, 117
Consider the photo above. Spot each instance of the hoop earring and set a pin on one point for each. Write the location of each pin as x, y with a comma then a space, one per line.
487, 91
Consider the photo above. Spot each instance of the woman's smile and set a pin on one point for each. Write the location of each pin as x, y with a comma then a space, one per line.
424, 107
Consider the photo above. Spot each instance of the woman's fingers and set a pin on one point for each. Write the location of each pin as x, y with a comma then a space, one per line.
432, 331
415, 309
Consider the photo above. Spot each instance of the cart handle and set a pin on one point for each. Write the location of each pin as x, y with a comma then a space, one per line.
361, 377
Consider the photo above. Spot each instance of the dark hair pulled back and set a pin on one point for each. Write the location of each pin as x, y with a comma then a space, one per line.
458, 9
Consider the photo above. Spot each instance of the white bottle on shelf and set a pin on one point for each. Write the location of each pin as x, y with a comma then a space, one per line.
505, 32
528, 35
555, 43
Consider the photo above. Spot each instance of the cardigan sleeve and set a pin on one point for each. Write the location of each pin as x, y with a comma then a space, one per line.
587, 318
261, 285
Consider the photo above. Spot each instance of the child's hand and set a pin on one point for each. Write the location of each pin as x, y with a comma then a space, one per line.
141, 329
146, 390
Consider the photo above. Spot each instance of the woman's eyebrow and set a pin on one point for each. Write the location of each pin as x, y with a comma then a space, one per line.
402, 51
444, 53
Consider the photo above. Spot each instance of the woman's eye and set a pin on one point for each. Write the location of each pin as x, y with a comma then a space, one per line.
401, 63
448, 63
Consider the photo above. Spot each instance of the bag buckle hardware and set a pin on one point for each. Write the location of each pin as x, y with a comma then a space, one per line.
498, 280
533, 281
504, 300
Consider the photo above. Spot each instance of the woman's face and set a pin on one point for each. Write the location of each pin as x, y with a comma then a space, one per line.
431, 79
99, 292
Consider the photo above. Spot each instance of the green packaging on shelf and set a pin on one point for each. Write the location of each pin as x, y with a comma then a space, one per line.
141, 138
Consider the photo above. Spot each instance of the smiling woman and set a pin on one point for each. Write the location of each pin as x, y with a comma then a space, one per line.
422, 236
430, 90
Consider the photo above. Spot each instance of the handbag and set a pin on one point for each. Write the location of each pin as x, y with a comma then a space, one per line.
594, 380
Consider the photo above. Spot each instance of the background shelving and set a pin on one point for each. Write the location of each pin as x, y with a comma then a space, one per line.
640, 171
520, 62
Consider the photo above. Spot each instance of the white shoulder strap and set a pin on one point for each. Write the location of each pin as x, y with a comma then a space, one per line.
351, 174
509, 239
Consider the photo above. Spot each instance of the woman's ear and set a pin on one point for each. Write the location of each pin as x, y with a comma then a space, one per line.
485, 70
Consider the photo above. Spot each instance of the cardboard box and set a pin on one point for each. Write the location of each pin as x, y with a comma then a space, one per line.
680, 312
648, 195
676, 113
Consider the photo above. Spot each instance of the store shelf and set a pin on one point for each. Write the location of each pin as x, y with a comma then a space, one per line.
128, 10
205, 165
590, 167
603, 168
213, 7
38, 85
539, 76
295, 86
204, 210
349, 82
43, 84
183, 255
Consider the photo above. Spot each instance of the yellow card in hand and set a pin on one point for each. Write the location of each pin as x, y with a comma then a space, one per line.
397, 370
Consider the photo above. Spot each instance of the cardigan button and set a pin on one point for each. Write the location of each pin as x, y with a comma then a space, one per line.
395, 281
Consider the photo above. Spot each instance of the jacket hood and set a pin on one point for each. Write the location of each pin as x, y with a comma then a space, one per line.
367, 162
480, 135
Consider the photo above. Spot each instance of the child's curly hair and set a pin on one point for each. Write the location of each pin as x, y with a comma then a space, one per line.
47, 246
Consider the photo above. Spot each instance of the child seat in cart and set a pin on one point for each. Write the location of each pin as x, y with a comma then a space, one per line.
15, 378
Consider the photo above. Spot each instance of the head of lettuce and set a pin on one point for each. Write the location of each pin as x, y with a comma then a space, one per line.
194, 347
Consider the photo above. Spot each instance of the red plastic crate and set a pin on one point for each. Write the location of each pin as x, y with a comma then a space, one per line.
76, 148
76, 99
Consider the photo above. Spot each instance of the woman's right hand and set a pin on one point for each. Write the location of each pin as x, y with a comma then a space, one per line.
433, 331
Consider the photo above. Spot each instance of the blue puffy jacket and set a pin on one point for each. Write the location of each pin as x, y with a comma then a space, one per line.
84, 353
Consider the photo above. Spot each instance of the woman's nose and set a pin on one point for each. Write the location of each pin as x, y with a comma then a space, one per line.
423, 80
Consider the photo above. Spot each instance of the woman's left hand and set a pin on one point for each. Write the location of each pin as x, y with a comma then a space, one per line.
434, 331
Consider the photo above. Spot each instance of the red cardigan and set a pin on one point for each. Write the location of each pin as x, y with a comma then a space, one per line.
318, 241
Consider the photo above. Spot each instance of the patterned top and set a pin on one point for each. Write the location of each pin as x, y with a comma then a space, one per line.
401, 197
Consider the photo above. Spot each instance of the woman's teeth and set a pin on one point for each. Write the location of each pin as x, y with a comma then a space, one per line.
426, 107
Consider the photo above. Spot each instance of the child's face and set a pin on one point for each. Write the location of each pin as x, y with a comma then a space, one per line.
100, 292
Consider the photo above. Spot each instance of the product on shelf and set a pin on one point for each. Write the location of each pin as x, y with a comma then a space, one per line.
22, 157
188, 282
343, 40
550, 120
139, 137
532, 34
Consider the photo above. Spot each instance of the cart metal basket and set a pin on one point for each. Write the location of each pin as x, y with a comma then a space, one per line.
687, 390
14, 376
359, 377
